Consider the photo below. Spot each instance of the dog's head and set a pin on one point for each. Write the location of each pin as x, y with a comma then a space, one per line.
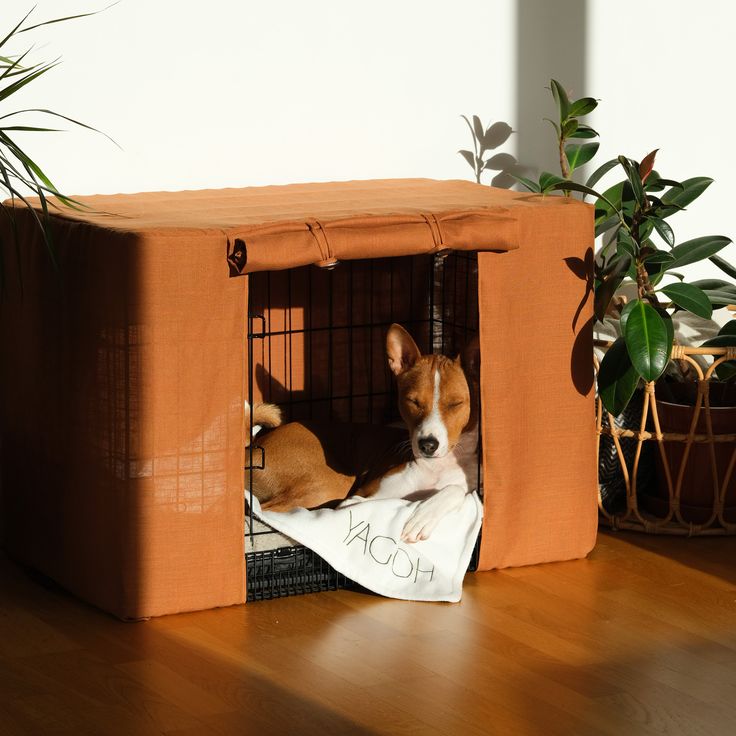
434, 398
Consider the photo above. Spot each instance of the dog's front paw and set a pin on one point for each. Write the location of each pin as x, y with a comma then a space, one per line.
430, 512
420, 525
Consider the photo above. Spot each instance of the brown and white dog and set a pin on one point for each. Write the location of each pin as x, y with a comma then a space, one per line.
313, 464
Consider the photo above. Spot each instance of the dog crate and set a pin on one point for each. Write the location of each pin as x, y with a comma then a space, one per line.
123, 436
316, 348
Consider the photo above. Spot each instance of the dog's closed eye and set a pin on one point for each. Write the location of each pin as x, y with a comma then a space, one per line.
454, 404
414, 401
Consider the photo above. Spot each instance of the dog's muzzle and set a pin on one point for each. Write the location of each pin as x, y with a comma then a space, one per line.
428, 445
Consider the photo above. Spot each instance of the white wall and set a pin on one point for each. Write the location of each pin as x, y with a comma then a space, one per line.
233, 93
665, 73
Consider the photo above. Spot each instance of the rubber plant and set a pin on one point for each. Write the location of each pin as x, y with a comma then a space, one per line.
633, 216
21, 176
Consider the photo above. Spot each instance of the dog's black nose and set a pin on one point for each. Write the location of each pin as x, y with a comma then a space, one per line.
428, 445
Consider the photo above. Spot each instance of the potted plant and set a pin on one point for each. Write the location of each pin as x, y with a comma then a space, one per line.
639, 252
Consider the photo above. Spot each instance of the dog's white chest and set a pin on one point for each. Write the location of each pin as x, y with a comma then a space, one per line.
436, 473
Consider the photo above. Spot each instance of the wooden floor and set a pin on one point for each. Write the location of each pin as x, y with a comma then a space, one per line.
638, 639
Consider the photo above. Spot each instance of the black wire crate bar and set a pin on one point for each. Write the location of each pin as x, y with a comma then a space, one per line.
286, 571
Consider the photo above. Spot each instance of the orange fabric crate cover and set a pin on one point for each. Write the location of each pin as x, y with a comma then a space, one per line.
122, 398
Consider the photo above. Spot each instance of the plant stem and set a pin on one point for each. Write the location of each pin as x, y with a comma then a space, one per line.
644, 287
564, 165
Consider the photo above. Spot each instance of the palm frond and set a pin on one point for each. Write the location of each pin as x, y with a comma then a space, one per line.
19, 173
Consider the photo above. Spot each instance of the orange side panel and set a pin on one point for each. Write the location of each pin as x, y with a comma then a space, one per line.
539, 459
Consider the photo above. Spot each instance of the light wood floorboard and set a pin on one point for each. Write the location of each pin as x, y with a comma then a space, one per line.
639, 639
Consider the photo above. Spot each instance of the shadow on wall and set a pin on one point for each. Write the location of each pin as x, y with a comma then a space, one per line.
485, 141
550, 43
504, 164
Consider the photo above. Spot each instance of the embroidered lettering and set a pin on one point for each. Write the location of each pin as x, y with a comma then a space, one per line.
406, 559
350, 525
425, 572
391, 544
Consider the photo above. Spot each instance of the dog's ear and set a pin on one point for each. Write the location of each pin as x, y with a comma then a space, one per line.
470, 359
401, 350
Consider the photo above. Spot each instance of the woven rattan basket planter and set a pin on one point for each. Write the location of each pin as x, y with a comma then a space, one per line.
701, 456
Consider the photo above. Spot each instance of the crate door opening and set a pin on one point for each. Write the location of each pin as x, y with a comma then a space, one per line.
316, 342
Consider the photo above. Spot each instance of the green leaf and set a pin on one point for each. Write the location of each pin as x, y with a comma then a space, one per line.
623, 236
583, 106
645, 230
548, 181
584, 131
600, 172
573, 186
669, 324
604, 291
626, 243
728, 329
16, 68
720, 298
720, 341
532, 186
625, 312
647, 341
631, 273
569, 127
666, 183
603, 226
632, 173
68, 17
28, 163
724, 265
610, 202
580, 153
30, 129
561, 98
15, 29
652, 184
62, 117
617, 378
697, 249
690, 191
658, 256
689, 297
664, 230
15, 86
614, 266
713, 284
655, 277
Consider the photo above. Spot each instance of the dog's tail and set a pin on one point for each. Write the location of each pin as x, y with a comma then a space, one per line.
263, 415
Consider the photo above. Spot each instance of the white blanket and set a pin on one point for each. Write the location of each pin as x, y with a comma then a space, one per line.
361, 539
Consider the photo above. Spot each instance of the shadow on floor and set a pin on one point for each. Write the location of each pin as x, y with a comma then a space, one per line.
711, 555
